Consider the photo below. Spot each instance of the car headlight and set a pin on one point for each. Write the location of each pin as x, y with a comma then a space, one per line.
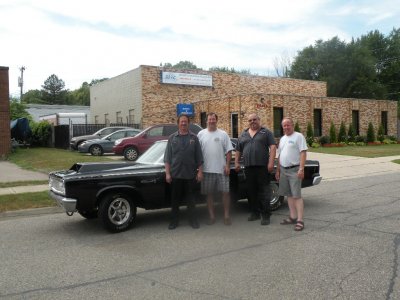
117, 142
57, 185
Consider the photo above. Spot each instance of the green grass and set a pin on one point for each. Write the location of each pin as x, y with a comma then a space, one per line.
22, 183
50, 159
363, 151
25, 201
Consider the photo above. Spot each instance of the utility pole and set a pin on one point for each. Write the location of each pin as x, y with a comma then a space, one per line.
21, 82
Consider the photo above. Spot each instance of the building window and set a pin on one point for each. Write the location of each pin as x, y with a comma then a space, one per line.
384, 122
278, 117
317, 122
131, 116
203, 119
106, 120
96, 119
119, 117
235, 124
355, 121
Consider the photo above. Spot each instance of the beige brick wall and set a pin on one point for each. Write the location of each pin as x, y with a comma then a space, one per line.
5, 133
159, 100
236, 93
301, 109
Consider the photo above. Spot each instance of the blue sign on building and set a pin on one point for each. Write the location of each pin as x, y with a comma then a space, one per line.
183, 108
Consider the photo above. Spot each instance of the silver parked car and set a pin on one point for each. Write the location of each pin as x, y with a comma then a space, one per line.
105, 144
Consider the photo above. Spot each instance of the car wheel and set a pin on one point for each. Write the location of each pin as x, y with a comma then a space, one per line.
91, 214
131, 153
276, 200
117, 212
96, 150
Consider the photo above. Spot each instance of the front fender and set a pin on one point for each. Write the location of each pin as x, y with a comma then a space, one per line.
121, 187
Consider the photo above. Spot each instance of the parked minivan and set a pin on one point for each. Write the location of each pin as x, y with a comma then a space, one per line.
132, 147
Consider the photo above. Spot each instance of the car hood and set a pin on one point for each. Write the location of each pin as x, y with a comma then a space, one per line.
105, 169
85, 137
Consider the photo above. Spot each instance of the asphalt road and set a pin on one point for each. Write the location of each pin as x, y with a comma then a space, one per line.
350, 249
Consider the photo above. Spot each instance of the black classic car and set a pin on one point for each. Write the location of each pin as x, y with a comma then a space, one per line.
113, 191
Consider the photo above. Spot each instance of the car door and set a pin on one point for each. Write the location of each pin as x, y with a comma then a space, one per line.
152, 135
109, 143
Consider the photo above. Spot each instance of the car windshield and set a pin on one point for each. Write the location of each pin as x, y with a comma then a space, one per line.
154, 155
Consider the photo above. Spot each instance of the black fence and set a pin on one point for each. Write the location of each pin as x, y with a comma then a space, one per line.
63, 133
86, 129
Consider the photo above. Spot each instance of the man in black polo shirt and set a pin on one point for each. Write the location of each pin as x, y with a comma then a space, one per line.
258, 147
183, 166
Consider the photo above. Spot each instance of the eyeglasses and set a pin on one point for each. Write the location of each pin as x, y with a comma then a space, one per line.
251, 120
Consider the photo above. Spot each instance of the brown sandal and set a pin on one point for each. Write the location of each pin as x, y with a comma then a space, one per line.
288, 221
299, 226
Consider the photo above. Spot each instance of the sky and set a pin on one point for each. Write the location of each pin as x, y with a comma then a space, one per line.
84, 40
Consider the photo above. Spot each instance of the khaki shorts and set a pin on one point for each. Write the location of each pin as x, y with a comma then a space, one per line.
213, 182
289, 183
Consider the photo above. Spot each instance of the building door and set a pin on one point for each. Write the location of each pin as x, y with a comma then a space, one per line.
278, 117
235, 125
203, 119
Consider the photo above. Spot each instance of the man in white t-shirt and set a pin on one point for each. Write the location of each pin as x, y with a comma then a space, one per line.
216, 147
292, 154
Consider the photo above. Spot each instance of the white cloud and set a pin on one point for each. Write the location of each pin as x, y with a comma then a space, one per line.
84, 40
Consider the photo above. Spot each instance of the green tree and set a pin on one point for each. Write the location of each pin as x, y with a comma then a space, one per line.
183, 64
53, 91
332, 133
18, 110
342, 137
33, 96
297, 127
310, 134
381, 133
80, 96
229, 70
370, 133
351, 133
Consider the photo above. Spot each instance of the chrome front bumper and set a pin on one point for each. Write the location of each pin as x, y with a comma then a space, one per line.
69, 204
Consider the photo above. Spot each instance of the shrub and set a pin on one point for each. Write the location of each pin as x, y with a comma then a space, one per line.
351, 143
310, 134
392, 138
324, 140
351, 135
332, 133
342, 137
297, 127
381, 133
370, 133
360, 143
41, 133
360, 139
315, 145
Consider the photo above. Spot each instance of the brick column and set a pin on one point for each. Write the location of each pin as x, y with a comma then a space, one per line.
5, 133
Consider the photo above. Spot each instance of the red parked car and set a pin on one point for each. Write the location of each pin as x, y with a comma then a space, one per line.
132, 147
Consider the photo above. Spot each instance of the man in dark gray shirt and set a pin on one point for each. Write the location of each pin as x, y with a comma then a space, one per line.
258, 147
183, 166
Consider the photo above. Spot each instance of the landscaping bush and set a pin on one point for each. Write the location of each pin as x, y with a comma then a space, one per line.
332, 133
324, 140
370, 133
351, 134
342, 137
309, 134
41, 133
360, 139
381, 133
392, 138
315, 145
297, 127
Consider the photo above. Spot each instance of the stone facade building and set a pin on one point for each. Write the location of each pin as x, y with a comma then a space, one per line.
149, 95
5, 132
